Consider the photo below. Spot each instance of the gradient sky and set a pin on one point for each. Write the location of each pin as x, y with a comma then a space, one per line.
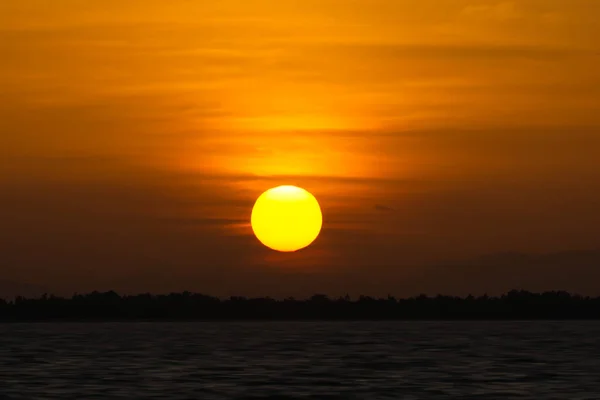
454, 145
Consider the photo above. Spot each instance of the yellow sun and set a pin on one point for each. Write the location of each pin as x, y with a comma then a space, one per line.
286, 218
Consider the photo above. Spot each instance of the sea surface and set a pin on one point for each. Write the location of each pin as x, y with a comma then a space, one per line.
298, 360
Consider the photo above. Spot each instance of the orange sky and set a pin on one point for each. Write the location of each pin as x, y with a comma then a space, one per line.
135, 136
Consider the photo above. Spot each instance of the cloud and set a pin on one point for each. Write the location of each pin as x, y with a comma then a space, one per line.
404, 52
574, 271
502, 11
10, 289
380, 207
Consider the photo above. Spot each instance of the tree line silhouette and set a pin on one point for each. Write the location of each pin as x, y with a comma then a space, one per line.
193, 306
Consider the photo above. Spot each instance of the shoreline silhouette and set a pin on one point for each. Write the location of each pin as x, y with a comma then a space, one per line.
98, 306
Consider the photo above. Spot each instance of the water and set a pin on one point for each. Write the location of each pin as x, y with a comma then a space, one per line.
323, 360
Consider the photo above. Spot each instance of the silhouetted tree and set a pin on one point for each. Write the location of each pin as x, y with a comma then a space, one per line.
516, 304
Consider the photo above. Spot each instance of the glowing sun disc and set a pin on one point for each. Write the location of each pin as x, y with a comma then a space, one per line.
286, 218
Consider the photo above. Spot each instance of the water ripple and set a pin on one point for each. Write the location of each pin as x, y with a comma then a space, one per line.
301, 360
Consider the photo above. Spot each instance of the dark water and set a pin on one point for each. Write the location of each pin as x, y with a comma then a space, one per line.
338, 360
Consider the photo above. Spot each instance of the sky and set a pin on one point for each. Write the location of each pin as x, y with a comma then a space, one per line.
453, 144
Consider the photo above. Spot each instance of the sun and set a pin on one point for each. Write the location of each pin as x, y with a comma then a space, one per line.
286, 218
